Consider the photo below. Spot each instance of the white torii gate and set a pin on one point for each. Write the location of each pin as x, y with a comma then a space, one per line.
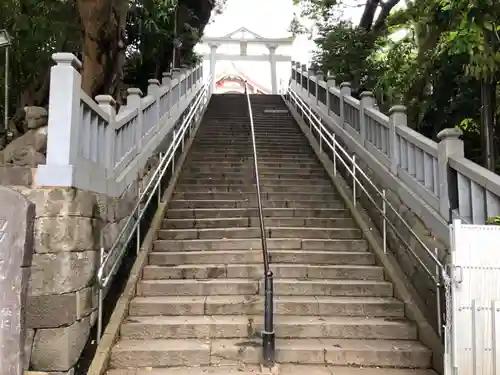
271, 44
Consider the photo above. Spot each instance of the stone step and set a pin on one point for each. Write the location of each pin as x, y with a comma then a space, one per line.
231, 132
241, 154
340, 222
212, 203
249, 168
275, 158
286, 369
251, 326
268, 187
284, 287
248, 174
275, 155
255, 232
249, 180
254, 305
327, 246
230, 213
268, 164
209, 140
200, 370
255, 271
245, 178
252, 195
340, 352
247, 149
219, 256
243, 132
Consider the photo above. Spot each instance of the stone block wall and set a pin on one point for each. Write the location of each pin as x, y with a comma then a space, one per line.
417, 275
62, 297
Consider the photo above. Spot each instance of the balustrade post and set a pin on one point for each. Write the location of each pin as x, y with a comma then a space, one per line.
108, 105
367, 101
345, 90
167, 81
134, 100
330, 82
176, 75
397, 117
63, 122
292, 73
310, 74
154, 90
304, 76
319, 78
449, 144
185, 77
297, 70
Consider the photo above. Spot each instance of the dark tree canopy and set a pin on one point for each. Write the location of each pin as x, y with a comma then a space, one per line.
444, 66
121, 42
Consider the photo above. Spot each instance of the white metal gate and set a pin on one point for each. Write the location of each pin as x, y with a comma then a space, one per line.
472, 337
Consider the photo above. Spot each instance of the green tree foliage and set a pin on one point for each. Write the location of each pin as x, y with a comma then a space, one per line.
145, 35
444, 53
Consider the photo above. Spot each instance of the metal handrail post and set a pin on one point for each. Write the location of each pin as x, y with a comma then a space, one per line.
268, 335
440, 275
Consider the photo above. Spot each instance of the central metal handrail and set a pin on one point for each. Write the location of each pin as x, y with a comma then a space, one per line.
268, 335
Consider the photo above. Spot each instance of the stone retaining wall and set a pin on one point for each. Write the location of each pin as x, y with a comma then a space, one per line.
62, 298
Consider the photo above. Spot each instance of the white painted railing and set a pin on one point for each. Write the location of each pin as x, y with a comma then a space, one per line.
434, 179
92, 147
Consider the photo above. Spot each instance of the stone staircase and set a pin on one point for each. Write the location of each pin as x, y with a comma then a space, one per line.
199, 302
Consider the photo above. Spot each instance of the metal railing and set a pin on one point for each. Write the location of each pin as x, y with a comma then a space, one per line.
268, 335
439, 275
111, 260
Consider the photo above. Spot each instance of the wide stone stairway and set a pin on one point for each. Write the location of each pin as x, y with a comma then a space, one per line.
199, 306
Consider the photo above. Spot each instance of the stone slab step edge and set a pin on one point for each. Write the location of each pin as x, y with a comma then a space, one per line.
325, 244
175, 258
254, 305
251, 326
248, 222
189, 352
283, 369
255, 271
283, 287
254, 232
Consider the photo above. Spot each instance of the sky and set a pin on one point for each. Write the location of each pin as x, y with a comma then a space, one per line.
269, 19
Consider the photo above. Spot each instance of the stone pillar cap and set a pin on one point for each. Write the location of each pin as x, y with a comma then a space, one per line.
397, 109
134, 91
450, 133
65, 58
105, 99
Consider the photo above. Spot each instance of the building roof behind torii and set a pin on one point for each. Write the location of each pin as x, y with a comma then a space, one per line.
234, 71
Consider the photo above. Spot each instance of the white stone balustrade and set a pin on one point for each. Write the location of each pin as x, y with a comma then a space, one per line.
439, 182
92, 147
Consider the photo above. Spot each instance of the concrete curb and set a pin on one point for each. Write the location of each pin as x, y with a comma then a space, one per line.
402, 287
100, 362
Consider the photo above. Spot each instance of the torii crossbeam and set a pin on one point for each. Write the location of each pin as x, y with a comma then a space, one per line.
271, 43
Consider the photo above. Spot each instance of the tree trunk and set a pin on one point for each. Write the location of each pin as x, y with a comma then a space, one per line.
104, 23
367, 19
488, 98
